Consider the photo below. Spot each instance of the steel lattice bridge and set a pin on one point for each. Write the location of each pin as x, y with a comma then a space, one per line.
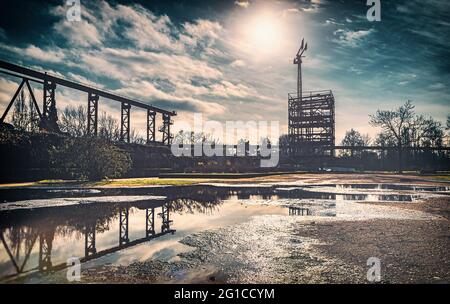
48, 115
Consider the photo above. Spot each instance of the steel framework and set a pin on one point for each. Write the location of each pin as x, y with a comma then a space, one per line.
312, 124
311, 118
92, 121
49, 111
151, 136
125, 122
165, 129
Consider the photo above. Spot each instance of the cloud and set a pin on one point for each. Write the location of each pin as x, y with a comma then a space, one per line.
238, 63
145, 29
228, 89
44, 55
351, 38
78, 33
147, 90
7, 90
242, 3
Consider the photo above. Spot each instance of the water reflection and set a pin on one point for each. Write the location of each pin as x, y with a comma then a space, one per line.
299, 211
41, 239
397, 187
23, 230
305, 193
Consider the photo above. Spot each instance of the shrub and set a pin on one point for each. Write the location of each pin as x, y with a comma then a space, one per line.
89, 158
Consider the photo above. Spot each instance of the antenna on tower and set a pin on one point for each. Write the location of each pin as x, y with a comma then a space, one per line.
298, 61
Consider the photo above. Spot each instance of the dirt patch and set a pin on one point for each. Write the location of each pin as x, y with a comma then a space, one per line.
411, 251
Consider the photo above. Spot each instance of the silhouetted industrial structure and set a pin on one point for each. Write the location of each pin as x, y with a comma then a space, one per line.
48, 116
311, 127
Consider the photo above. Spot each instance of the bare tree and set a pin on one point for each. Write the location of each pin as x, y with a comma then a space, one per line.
395, 124
405, 128
136, 138
425, 132
108, 127
192, 138
20, 116
74, 121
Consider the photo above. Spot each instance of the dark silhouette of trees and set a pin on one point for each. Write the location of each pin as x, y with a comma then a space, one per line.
354, 138
24, 116
108, 127
394, 124
406, 129
89, 158
73, 121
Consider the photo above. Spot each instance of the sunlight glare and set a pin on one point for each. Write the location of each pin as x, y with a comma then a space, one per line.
264, 33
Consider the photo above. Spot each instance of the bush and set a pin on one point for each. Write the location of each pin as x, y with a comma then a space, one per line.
89, 158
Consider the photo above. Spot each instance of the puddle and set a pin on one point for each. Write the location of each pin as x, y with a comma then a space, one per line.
39, 235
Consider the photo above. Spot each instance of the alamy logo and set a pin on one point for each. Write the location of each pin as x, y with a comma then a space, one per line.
374, 272
73, 270
74, 11
374, 12
234, 132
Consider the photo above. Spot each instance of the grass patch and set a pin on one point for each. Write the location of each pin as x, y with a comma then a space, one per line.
441, 177
148, 182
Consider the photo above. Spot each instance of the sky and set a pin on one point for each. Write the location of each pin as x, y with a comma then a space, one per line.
233, 60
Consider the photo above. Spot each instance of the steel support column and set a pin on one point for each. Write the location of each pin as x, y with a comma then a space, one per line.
49, 114
89, 241
123, 228
165, 129
125, 122
151, 115
92, 112
149, 222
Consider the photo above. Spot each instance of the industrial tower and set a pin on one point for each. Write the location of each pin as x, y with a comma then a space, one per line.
311, 118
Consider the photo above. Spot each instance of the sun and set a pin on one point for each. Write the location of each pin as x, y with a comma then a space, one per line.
264, 32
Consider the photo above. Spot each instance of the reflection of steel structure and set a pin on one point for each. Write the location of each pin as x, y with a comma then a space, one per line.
45, 252
89, 241
123, 226
90, 250
299, 211
311, 118
165, 226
